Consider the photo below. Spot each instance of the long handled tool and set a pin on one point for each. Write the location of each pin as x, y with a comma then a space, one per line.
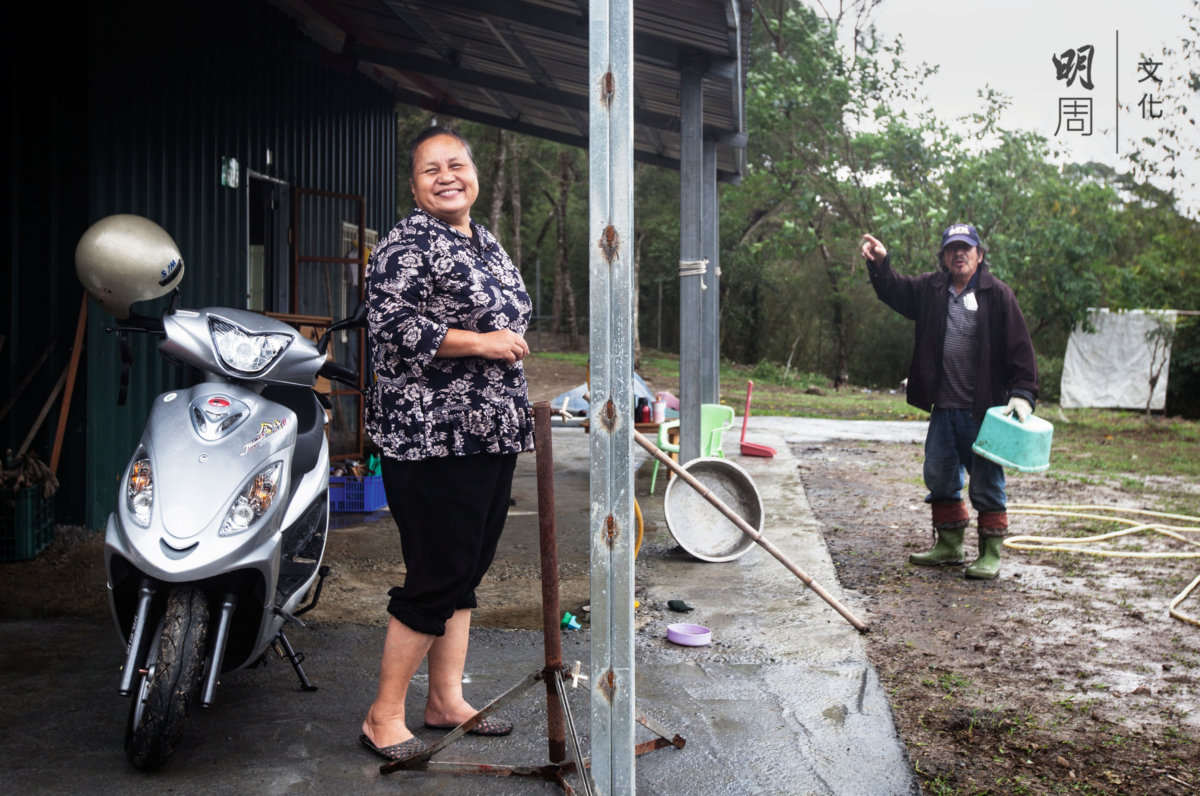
747, 529
752, 448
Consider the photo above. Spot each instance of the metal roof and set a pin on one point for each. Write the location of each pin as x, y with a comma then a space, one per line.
522, 65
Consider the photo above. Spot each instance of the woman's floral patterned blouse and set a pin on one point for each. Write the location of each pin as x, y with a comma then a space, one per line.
424, 278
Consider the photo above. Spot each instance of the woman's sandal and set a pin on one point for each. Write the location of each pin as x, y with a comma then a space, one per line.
397, 751
488, 726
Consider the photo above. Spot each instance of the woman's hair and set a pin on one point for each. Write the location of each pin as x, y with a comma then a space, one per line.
431, 132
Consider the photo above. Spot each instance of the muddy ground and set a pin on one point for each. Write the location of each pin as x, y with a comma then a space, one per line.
1065, 675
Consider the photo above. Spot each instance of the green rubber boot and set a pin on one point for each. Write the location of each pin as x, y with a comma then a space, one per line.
947, 552
987, 566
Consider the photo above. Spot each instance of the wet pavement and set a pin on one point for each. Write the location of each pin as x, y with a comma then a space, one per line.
784, 701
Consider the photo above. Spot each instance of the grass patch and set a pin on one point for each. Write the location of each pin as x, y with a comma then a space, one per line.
1118, 444
1091, 446
572, 357
799, 395
949, 683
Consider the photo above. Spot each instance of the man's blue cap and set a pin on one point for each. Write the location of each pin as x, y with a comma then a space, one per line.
959, 232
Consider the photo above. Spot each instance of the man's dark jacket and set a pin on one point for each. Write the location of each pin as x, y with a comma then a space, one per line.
1006, 365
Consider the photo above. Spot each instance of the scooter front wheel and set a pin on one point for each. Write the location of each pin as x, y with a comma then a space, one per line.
171, 681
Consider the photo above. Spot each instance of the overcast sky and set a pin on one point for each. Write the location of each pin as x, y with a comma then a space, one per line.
1009, 44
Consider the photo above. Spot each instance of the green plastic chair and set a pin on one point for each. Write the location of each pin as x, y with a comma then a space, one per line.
715, 420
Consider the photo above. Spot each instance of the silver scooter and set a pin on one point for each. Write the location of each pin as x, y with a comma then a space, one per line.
223, 510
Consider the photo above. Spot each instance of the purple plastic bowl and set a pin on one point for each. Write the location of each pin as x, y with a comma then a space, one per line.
689, 635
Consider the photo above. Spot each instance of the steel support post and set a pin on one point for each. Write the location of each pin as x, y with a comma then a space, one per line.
710, 316
610, 273
692, 266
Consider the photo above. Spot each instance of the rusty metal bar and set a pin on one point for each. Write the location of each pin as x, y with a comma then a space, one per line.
672, 739
548, 544
653, 745
417, 761
65, 410
548, 773
749, 530
665, 738
577, 759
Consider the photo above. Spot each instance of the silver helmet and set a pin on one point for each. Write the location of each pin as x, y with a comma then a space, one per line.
126, 258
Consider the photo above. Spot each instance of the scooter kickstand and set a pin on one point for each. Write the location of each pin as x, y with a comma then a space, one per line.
295, 660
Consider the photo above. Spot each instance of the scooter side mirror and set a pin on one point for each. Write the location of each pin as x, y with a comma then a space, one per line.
357, 320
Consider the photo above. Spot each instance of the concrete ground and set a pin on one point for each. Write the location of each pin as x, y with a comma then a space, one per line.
784, 701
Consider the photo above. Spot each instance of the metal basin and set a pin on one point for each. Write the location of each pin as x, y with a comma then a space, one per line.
697, 525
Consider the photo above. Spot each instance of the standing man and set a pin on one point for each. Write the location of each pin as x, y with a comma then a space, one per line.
972, 351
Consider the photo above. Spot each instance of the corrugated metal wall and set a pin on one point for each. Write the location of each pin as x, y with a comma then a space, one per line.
170, 95
45, 150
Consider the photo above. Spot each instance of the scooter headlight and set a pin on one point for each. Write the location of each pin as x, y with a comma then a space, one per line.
244, 351
253, 501
139, 491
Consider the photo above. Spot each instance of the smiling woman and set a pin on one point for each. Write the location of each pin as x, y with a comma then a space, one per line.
443, 178
449, 409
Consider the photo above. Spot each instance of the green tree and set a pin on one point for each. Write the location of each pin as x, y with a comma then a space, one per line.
1050, 230
793, 272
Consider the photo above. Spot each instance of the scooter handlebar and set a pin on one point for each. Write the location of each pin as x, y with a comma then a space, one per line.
332, 370
358, 320
140, 323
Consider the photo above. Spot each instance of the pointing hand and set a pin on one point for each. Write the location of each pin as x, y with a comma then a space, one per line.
872, 249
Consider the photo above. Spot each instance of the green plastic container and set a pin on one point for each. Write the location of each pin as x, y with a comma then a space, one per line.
26, 524
1010, 443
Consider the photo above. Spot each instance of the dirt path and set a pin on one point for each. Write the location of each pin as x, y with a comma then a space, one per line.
1065, 675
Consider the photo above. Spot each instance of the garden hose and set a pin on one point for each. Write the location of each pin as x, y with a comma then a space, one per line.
637, 511
1072, 544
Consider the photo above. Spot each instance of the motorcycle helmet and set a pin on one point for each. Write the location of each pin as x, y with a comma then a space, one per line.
126, 258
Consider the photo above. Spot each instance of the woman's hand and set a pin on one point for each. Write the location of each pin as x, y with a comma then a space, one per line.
502, 344
872, 249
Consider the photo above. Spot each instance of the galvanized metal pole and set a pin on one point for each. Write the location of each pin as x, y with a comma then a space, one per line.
692, 266
610, 273
710, 322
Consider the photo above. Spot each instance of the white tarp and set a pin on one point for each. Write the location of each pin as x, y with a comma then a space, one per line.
574, 402
1111, 368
